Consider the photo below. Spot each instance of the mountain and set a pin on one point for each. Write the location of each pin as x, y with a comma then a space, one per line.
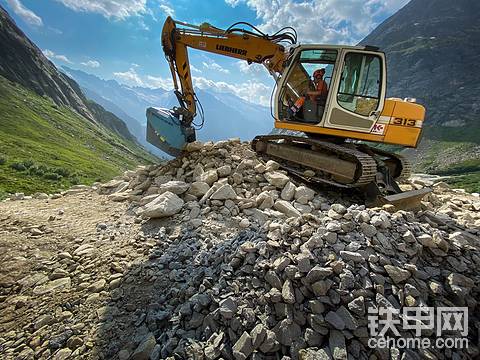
51, 135
433, 51
226, 115
21, 61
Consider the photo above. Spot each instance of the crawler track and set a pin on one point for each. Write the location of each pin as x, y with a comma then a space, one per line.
339, 165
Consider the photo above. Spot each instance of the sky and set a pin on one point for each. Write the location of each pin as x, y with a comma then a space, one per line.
120, 39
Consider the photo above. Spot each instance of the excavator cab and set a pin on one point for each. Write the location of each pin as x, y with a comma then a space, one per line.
356, 82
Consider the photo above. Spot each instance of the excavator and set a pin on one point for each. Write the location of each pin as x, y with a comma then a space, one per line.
328, 130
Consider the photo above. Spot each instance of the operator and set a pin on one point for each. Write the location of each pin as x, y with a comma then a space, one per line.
321, 89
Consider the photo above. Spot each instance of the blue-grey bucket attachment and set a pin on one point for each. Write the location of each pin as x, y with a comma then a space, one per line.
166, 131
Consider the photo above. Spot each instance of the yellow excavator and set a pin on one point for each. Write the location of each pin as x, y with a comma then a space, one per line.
350, 108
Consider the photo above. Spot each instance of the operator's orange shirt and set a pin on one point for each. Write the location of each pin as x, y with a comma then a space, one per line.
322, 87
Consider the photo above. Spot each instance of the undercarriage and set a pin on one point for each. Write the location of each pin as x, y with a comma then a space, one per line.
372, 171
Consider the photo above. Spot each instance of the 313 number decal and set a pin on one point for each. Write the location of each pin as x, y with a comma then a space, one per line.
404, 122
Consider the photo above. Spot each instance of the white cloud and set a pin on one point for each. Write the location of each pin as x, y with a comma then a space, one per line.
194, 69
132, 78
52, 56
143, 26
158, 82
116, 9
91, 63
129, 77
167, 10
252, 91
26, 14
252, 69
212, 65
323, 21
232, 3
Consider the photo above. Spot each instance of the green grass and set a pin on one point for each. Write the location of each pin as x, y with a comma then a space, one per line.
469, 182
46, 148
461, 134
465, 175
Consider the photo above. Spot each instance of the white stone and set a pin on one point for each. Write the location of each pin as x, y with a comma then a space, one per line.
166, 204
264, 200
209, 177
198, 171
286, 208
224, 171
272, 165
244, 223
288, 191
198, 188
193, 146
260, 168
224, 192
176, 187
277, 179
304, 194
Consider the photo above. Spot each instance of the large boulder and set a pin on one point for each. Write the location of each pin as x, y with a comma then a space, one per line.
176, 187
277, 179
224, 192
166, 204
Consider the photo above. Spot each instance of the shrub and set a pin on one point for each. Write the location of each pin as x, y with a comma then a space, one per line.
18, 166
61, 171
36, 170
28, 163
52, 176
3, 160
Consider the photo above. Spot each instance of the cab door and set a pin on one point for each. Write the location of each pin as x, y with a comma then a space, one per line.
357, 96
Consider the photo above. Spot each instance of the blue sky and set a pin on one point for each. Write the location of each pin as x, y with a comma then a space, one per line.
120, 39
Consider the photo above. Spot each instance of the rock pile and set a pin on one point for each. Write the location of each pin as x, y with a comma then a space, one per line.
251, 264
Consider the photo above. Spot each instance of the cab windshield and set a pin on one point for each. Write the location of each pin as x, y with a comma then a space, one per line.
303, 97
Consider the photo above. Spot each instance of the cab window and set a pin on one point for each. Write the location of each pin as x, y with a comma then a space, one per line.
360, 84
300, 82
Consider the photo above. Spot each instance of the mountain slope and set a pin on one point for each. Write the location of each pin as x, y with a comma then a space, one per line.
433, 48
21, 61
51, 136
45, 147
433, 51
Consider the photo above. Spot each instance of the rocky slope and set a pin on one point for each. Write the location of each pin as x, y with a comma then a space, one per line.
220, 255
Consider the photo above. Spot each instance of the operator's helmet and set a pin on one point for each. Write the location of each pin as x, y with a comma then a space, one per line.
318, 72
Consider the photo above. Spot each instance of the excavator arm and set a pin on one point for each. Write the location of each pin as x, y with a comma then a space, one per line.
233, 42
169, 130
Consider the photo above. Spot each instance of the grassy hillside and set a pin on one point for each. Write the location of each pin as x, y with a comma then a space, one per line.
450, 151
45, 147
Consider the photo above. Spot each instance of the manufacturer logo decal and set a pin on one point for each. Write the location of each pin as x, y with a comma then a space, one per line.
231, 50
378, 129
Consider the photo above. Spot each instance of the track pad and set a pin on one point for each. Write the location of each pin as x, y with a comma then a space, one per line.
166, 131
